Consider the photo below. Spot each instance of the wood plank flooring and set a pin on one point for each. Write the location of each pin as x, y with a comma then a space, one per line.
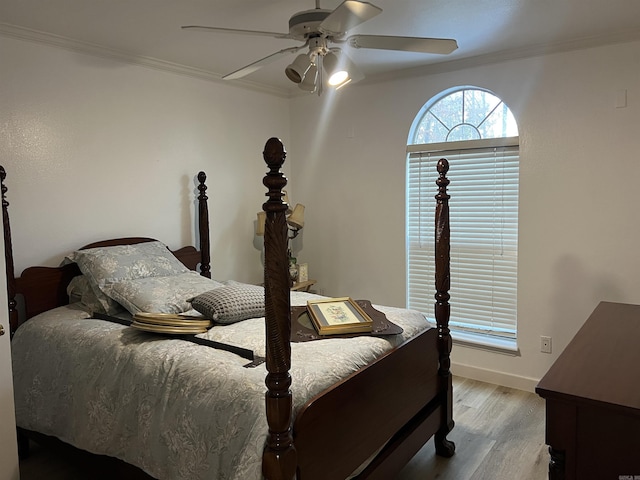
499, 435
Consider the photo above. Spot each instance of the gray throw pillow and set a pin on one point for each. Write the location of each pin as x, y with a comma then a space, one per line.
232, 303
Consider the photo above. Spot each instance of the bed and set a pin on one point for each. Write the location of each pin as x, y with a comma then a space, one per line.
357, 407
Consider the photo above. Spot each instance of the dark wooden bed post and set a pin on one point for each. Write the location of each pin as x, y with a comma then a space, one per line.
14, 320
8, 256
444, 447
279, 458
203, 226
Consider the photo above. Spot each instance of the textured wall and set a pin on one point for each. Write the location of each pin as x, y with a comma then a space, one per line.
579, 178
96, 148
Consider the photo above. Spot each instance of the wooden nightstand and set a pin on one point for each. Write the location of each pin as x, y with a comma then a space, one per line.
303, 286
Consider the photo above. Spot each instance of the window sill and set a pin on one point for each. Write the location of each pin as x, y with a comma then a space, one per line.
489, 343
505, 346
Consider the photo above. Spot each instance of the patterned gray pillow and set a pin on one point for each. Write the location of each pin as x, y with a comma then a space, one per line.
104, 266
161, 294
232, 303
80, 289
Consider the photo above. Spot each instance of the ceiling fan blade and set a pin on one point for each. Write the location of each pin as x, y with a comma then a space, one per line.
442, 46
252, 67
347, 15
236, 31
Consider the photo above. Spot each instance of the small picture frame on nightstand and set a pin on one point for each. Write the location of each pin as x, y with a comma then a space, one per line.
303, 272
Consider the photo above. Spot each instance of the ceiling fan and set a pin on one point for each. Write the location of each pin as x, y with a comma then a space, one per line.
320, 29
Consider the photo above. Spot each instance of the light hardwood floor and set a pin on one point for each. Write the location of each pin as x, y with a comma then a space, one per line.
499, 435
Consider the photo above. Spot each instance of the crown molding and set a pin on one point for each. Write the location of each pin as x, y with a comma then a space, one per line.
87, 48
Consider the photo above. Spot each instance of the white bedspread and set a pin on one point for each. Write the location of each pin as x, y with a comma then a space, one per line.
175, 409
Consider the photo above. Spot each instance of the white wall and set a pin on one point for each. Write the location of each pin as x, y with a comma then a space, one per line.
579, 178
96, 148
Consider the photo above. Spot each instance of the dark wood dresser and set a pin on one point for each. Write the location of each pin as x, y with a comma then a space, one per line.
592, 395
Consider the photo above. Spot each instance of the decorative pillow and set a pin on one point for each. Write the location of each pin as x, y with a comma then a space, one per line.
161, 294
231, 303
78, 286
80, 290
104, 266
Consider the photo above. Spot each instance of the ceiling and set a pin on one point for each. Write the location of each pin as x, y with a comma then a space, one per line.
148, 31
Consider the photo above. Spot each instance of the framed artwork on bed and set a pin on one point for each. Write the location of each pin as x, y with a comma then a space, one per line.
338, 315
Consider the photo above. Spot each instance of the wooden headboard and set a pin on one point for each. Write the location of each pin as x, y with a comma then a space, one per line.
44, 288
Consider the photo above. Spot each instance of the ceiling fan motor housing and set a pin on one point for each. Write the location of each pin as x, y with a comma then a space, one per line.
304, 23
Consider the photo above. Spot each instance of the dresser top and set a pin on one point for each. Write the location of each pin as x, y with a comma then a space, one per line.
602, 363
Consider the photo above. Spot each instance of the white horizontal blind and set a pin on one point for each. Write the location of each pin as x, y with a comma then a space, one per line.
484, 236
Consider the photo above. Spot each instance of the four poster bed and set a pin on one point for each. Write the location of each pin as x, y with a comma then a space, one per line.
356, 407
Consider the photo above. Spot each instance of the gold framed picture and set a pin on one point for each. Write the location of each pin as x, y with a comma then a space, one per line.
338, 315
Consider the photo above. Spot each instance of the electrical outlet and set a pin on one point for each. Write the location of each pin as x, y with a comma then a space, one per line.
545, 344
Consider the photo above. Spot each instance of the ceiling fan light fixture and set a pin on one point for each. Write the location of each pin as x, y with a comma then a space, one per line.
338, 78
336, 73
308, 84
297, 70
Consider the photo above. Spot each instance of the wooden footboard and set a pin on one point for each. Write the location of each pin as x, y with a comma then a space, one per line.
361, 413
392, 406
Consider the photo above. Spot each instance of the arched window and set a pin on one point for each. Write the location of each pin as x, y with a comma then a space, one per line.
477, 133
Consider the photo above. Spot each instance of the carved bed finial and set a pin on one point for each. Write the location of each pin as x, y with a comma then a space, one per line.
203, 224
443, 446
8, 256
279, 459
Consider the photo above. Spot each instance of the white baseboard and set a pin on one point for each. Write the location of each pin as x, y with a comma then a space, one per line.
497, 378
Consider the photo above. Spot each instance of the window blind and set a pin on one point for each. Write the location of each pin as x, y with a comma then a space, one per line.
484, 236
